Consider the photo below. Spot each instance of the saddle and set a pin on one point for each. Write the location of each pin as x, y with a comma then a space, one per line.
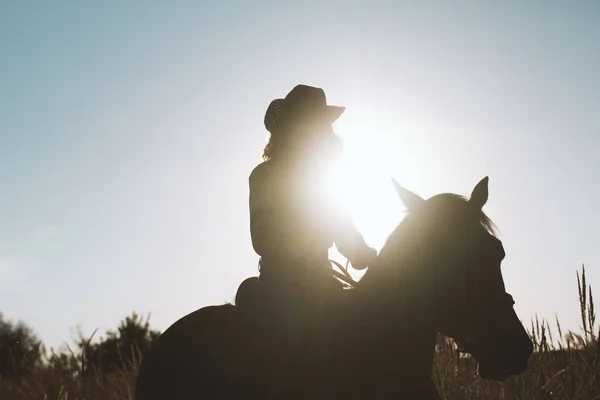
247, 294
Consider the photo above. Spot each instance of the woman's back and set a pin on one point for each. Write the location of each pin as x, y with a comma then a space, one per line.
288, 214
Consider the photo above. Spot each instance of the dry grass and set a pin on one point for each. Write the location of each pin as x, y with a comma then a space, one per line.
565, 368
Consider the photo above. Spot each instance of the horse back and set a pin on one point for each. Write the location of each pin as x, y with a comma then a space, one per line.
189, 357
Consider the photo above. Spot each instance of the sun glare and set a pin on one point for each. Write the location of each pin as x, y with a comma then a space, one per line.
362, 186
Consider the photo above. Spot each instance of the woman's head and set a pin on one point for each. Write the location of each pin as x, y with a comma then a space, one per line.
303, 142
301, 126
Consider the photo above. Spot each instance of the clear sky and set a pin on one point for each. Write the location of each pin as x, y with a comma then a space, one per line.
128, 131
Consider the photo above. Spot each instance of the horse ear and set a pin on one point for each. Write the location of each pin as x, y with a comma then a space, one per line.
411, 200
479, 196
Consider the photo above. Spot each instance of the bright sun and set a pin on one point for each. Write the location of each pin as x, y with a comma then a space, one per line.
363, 187
380, 143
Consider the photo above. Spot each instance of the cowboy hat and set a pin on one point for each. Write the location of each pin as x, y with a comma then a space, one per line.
302, 102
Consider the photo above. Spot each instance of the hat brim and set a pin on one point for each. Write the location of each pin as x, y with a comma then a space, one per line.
334, 112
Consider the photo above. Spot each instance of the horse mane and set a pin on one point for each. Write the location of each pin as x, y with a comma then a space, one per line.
452, 202
485, 221
400, 240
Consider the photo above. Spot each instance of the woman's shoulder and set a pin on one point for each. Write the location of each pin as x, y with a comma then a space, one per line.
261, 172
271, 173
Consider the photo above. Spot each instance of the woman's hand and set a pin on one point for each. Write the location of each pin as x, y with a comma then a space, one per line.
364, 258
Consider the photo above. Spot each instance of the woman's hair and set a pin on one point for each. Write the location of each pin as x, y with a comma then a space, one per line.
274, 145
330, 143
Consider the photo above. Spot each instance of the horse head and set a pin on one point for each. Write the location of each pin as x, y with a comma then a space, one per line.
456, 257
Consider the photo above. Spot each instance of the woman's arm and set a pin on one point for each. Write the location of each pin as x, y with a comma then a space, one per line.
350, 242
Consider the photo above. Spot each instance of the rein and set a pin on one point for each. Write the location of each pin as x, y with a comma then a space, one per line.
344, 276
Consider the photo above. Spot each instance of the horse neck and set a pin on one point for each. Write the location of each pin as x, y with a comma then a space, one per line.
401, 338
398, 275
399, 284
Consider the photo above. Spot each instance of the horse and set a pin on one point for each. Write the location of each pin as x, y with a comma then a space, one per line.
438, 272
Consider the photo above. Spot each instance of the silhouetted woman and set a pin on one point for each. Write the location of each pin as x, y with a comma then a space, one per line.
293, 221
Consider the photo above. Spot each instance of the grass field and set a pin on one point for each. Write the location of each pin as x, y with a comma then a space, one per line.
567, 367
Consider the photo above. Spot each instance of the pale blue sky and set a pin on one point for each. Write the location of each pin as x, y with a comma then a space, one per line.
128, 130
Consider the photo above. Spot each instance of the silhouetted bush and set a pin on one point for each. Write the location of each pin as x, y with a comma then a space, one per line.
20, 350
121, 349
